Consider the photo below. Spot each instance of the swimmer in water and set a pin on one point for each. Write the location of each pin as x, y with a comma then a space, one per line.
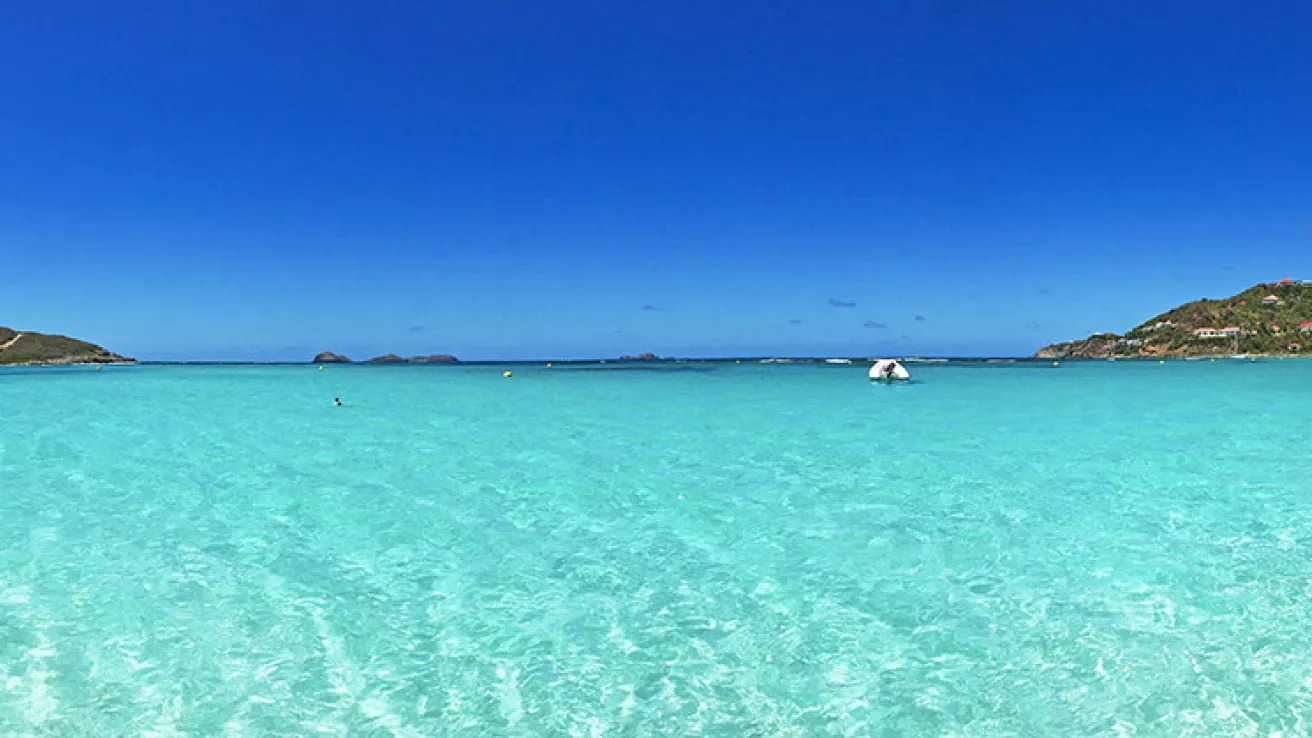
338, 400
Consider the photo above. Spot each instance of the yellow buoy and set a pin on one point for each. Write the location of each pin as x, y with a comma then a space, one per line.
548, 364
321, 367
1056, 363
1163, 361
507, 374
736, 361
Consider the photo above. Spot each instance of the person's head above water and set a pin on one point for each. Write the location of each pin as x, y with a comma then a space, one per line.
337, 400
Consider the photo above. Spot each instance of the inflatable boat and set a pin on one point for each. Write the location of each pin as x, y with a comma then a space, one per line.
889, 370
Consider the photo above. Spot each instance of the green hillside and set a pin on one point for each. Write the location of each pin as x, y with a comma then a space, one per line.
1267, 328
24, 347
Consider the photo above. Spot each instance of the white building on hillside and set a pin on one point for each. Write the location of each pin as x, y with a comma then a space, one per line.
1229, 332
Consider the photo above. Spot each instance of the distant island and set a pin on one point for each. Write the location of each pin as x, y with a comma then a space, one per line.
328, 357
643, 357
1268, 319
394, 359
29, 348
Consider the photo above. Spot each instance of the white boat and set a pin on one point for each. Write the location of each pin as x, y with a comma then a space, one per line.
889, 370
838, 361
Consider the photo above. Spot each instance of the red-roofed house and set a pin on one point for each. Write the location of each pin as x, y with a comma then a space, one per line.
1284, 282
1233, 330
1295, 347
1305, 326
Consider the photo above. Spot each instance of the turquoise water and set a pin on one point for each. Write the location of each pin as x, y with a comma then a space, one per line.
1097, 549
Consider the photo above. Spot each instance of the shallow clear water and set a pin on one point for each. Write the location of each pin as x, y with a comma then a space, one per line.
786, 550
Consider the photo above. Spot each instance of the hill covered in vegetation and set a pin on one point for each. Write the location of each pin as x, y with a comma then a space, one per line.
24, 347
1264, 326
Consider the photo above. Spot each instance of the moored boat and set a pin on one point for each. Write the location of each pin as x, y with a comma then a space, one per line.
889, 370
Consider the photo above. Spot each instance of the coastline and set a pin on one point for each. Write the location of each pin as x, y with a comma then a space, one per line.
69, 363
614, 364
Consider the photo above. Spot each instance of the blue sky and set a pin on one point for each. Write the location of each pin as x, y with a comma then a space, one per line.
255, 180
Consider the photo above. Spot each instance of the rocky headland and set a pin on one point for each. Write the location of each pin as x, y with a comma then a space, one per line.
30, 348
